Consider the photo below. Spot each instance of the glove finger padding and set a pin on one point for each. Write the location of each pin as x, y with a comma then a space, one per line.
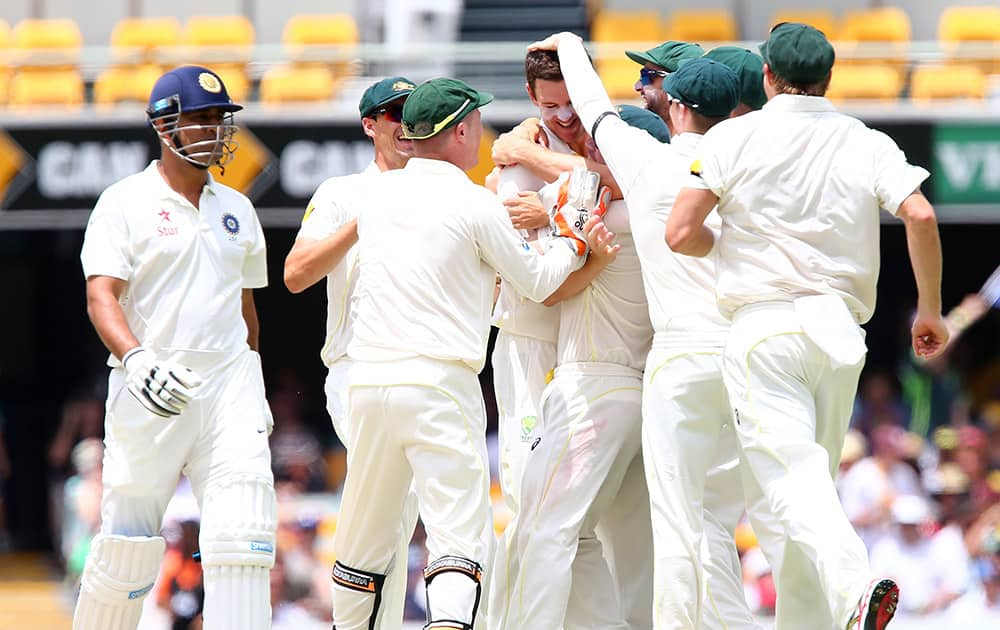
179, 381
152, 403
603, 201
163, 387
574, 203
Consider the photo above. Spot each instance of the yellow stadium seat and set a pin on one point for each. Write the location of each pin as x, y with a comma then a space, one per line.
948, 81
702, 25
4, 34
46, 43
820, 19
142, 36
126, 84
318, 30
886, 24
4, 83
626, 26
619, 76
972, 34
871, 82
291, 84
46, 87
218, 39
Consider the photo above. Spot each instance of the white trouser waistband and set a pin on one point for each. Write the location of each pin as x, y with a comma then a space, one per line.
672, 339
765, 311
595, 368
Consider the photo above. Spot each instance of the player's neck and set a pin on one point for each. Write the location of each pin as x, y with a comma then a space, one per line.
183, 178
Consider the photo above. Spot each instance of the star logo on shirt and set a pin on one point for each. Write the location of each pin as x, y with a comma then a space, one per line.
164, 215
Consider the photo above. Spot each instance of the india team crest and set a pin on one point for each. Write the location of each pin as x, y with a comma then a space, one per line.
209, 82
231, 224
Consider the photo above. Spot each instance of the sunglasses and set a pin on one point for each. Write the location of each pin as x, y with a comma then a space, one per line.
648, 75
394, 113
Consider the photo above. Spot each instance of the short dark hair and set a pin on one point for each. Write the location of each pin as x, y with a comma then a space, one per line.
542, 64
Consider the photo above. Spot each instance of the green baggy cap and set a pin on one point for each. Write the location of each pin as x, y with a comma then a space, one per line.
798, 53
382, 92
749, 67
708, 87
667, 55
438, 104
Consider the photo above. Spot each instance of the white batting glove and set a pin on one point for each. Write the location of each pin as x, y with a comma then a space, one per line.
162, 387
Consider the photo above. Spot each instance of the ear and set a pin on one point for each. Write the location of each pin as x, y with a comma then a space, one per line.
461, 132
531, 93
368, 124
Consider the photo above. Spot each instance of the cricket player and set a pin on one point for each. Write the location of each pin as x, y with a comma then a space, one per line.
799, 187
415, 408
325, 246
585, 465
690, 457
657, 63
171, 259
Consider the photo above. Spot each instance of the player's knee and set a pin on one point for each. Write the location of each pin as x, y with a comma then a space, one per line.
454, 588
239, 518
357, 597
119, 574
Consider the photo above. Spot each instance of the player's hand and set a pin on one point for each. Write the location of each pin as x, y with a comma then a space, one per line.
930, 335
492, 182
601, 240
526, 211
507, 148
531, 129
163, 387
552, 41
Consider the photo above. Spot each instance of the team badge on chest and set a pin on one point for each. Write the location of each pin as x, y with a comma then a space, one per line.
231, 225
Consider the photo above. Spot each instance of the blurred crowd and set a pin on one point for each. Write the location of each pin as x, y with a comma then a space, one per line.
919, 479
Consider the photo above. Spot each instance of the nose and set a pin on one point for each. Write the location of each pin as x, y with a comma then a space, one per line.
638, 86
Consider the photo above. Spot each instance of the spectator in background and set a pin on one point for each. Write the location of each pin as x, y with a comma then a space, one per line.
296, 454
949, 487
82, 505
855, 448
5, 470
870, 487
924, 572
878, 403
180, 588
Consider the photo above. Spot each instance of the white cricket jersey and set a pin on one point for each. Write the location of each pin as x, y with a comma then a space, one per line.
429, 245
608, 322
800, 186
680, 289
513, 312
335, 204
186, 267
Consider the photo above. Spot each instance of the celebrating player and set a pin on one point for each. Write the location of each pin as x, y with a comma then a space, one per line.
171, 258
799, 187
325, 247
415, 407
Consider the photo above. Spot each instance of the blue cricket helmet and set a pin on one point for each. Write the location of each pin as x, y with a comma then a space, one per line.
188, 89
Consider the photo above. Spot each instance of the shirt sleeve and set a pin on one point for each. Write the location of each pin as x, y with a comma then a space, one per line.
589, 97
707, 171
895, 179
532, 275
628, 152
255, 263
324, 213
516, 178
106, 247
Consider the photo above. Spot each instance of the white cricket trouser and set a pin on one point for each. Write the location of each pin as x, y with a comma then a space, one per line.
422, 422
390, 614
591, 416
219, 442
792, 412
695, 492
521, 367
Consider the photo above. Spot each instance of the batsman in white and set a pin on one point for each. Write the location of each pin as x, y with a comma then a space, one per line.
415, 408
689, 448
799, 187
171, 258
325, 246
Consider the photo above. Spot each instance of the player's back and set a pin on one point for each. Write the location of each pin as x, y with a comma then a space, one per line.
423, 289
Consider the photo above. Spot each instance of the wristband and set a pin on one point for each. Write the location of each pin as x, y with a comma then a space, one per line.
593, 129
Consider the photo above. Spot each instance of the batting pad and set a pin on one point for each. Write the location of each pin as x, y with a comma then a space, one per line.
120, 572
238, 521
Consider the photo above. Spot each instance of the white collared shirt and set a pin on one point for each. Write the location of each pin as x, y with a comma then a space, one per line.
186, 267
680, 289
335, 204
800, 186
429, 245
514, 313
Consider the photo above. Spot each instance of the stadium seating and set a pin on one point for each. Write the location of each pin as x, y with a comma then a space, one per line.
297, 84
234, 75
4, 70
821, 19
125, 84
869, 82
46, 87
50, 44
948, 81
887, 29
707, 25
611, 30
972, 34
136, 40
222, 43
310, 40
